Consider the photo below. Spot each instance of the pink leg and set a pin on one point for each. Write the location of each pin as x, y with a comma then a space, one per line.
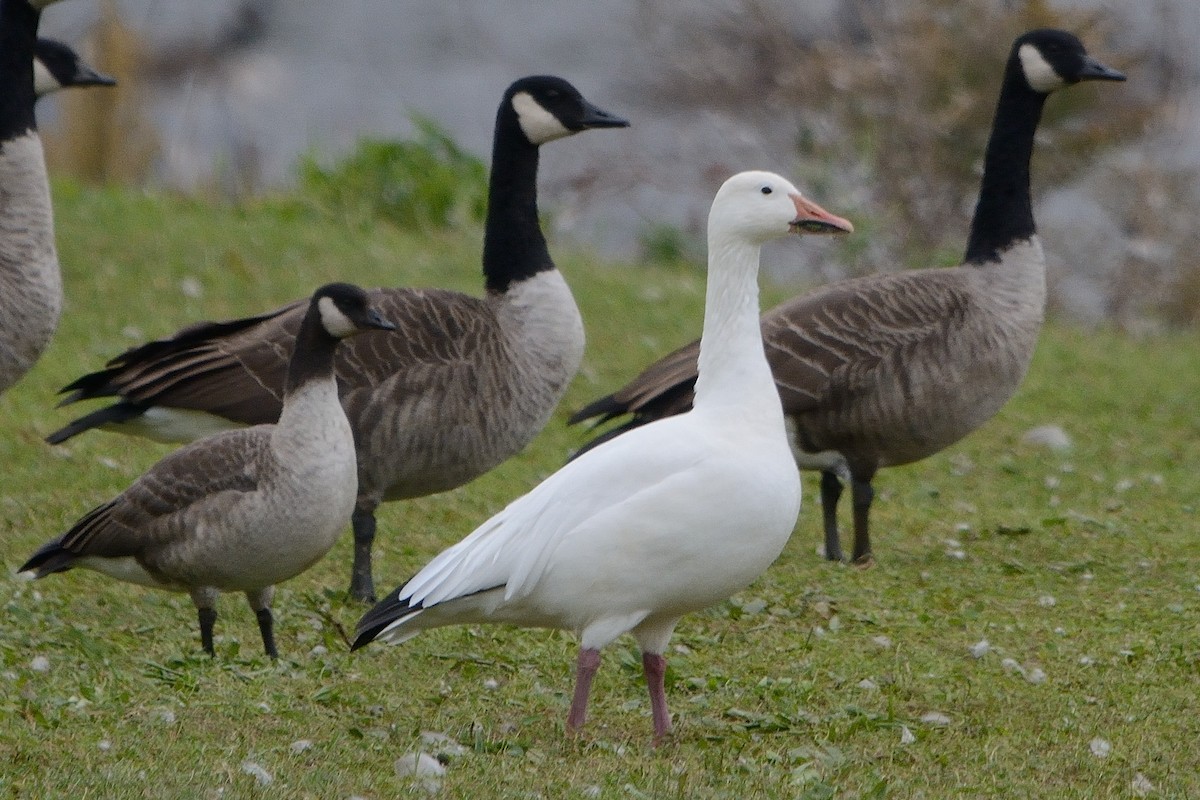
655, 667
588, 663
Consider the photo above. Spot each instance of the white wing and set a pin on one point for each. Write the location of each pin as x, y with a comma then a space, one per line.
513, 548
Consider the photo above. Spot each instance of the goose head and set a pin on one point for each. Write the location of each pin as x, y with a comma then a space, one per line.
1050, 59
56, 66
759, 206
345, 310
549, 108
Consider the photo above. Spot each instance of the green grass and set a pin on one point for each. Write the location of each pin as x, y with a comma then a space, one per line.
767, 690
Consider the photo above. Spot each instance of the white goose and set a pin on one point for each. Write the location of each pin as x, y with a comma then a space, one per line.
671, 518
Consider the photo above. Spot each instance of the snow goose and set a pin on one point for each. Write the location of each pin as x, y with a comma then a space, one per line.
672, 518
889, 369
463, 383
30, 282
241, 510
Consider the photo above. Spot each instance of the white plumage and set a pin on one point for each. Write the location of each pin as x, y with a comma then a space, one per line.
671, 518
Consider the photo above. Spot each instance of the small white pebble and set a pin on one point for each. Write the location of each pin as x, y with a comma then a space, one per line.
1061, 631
1101, 748
1011, 665
952, 543
935, 718
1036, 676
881, 641
906, 736
190, 287
491, 683
1047, 601
442, 744
301, 745
167, 716
1052, 437
1123, 485
957, 555
1052, 482
868, 684
1087, 661
962, 527
592, 791
319, 650
419, 764
682, 649
263, 707
754, 607
39, 664
260, 775
133, 332
980, 648
105, 461
105, 745
1087, 576
1141, 785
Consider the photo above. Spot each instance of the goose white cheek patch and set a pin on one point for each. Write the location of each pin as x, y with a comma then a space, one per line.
43, 81
1038, 72
334, 321
539, 125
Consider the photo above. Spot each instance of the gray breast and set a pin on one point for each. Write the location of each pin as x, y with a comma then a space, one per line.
491, 377
30, 283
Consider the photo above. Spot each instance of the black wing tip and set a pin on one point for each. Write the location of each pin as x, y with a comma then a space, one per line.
636, 422
48, 559
606, 408
378, 618
364, 636
116, 413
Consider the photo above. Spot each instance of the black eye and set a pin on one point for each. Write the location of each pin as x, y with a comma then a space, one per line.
766, 190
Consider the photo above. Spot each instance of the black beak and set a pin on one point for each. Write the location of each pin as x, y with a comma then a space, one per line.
1093, 70
86, 76
596, 117
374, 320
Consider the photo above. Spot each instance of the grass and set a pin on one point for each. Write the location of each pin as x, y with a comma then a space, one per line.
818, 681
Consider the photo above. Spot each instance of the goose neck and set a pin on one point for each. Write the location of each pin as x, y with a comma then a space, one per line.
732, 366
1004, 211
312, 358
18, 33
513, 245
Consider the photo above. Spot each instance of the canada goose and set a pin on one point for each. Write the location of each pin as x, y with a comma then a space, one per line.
670, 519
30, 282
463, 384
888, 369
241, 510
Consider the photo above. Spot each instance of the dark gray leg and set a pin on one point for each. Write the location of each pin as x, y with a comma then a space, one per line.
208, 616
362, 585
266, 626
862, 494
831, 492
260, 603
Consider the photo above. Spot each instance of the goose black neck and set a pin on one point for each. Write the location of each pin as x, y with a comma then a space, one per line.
18, 33
1004, 212
513, 246
313, 357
